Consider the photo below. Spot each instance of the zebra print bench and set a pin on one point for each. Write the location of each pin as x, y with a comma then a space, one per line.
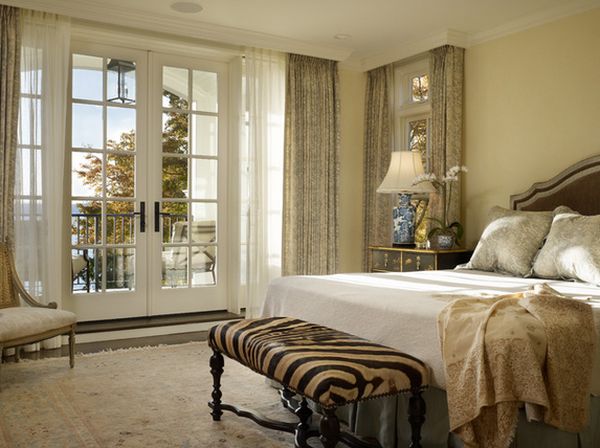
314, 362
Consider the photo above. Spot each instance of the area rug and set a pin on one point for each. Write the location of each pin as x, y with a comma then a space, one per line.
151, 397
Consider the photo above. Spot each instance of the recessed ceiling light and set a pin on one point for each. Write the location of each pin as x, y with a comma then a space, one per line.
342, 36
186, 7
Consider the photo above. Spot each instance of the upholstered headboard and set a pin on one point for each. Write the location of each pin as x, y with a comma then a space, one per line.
577, 187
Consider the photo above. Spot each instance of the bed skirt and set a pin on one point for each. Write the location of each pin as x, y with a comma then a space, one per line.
386, 420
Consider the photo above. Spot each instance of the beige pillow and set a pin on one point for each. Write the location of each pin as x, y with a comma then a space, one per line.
510, 241
563, 209
572, 249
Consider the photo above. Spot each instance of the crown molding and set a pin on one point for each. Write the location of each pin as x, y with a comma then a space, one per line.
461, 39
412, 48
222, 42
560, 11
351, 64
94, 11
83, 31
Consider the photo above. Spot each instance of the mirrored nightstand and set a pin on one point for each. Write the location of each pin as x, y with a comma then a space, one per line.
396, 259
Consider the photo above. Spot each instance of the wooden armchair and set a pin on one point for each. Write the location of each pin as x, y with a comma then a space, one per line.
21, 325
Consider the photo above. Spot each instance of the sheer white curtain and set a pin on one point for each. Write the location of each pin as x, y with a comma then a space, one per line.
262, 172
40, 157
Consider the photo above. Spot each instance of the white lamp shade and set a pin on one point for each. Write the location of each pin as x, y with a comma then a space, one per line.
405, 166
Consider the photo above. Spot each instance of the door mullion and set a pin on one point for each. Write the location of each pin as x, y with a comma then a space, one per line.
104, 208
153, 115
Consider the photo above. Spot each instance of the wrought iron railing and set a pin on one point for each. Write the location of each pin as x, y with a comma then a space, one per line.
86, 234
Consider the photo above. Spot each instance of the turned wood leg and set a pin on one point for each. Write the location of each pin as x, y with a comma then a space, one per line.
216, 369
416, 417
304, 413
329, 428
72, 348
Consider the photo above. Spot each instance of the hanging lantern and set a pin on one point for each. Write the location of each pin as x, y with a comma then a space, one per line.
121, 68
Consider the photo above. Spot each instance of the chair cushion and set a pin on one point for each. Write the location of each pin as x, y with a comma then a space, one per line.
20, 322
325, 365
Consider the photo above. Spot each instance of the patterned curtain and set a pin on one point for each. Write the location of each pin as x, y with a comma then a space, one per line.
446, 90
377, 208
310, 196
10, 52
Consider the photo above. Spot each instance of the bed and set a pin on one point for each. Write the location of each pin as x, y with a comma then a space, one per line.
400, 310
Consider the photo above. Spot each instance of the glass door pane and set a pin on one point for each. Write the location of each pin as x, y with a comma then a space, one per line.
191, 188
189, 178
107, 245
103, 175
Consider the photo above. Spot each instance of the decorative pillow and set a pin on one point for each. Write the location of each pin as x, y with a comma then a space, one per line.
563, 209
572, 249
510, 241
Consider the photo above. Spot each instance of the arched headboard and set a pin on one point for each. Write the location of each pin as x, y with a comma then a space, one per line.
577, 187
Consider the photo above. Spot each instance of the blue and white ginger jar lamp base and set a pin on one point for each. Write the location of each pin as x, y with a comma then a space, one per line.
404, 221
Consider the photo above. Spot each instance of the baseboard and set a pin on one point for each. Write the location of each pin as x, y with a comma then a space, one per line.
143, 332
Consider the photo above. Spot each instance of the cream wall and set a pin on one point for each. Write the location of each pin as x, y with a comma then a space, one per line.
532, 108
352, 95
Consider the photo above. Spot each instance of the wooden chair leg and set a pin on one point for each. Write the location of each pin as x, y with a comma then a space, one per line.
72, 348
416, 417
329, 428
216, 369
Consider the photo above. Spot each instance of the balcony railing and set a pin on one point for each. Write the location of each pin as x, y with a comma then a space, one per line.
87, 234
86, 228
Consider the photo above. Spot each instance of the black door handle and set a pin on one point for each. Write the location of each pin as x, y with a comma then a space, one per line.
142, 215
157, 215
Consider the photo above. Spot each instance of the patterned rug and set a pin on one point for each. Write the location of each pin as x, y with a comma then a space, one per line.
150, 397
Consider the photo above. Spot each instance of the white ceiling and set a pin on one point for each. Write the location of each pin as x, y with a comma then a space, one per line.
381, 30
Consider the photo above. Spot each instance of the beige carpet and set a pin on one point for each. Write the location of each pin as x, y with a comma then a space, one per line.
152, 397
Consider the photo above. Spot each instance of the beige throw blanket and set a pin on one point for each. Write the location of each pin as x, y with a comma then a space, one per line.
534, 347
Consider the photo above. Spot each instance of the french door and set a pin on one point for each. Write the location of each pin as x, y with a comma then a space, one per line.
148, 160
188, 244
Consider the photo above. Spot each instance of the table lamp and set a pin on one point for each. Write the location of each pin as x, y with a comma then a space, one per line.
405, 166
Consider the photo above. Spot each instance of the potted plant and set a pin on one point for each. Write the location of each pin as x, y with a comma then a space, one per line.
443, 234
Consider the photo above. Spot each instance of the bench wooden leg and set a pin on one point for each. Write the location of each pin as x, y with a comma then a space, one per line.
329, 428
304, 413
216, 369
286, 397
416, 417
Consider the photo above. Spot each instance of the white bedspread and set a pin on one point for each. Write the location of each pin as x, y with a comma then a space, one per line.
400, 309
